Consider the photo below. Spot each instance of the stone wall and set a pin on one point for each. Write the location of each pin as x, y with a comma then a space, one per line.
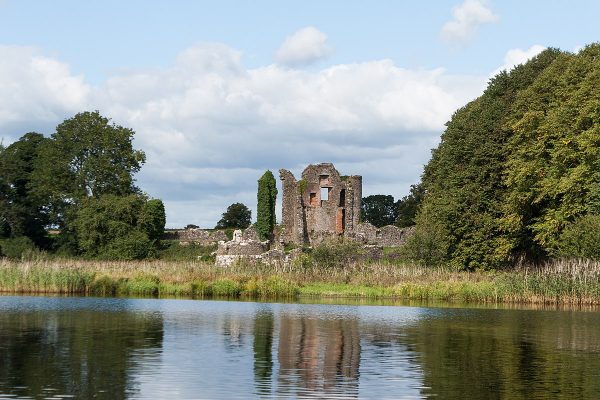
198, 236
322, 204
388, 236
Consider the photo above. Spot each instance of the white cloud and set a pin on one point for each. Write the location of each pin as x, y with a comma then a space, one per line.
467, 17
304, 47
35, 88
210, 127
515, 57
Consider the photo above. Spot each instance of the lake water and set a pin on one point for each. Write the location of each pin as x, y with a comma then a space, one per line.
53, 347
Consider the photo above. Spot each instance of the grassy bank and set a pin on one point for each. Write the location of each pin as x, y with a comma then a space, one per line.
562, 282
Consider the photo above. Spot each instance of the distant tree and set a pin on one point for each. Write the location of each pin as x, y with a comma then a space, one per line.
191, 226
265, 210
379, 210
237, 216
22, 212
406, 208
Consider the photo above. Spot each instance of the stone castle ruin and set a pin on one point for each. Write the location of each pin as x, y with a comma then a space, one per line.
321, 205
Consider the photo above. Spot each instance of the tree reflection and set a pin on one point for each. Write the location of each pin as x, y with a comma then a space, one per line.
263, 359
85, 354
507, 355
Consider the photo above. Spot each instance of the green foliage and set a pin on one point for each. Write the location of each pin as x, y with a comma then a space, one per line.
87, 156
173, 251
553, 167
302, 186
429, 243
22, 212
379, 210
237, 216
407, 207
117, 227
464, 181
265, 209
334, 254
581, 238
17, 248
152, 219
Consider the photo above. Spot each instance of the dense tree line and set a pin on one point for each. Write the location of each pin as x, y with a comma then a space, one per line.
517, 173
381, 210
80, 182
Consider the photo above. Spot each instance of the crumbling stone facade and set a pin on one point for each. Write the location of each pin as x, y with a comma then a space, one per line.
321, 204
387, 236
246, 246
197, 236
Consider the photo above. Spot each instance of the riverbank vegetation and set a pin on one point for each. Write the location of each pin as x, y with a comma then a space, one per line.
574, 282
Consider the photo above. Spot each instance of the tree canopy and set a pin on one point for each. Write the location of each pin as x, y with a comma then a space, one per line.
81, 181
379, 210
237, 216
518, 165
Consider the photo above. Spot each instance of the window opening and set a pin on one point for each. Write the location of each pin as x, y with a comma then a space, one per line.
325, 194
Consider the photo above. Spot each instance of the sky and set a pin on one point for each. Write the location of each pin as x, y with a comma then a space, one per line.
219, 92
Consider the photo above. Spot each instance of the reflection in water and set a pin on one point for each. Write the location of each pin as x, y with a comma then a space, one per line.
509, 354
318, 355
263, 341
118, 348
84, 354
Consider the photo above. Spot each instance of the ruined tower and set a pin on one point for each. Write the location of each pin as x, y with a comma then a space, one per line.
321, 204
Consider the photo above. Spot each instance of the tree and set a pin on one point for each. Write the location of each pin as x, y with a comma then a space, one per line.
87, 157
379, 210
553, 164
152, 219
237, 216
22, 212
118, 227
464, 180
407, 207
265, 210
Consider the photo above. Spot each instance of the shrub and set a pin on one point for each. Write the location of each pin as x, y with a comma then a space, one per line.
336, 254
17, 248
581, 238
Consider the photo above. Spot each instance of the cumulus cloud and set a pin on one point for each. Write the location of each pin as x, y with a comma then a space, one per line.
36, 88
210, 126
467, 17
516, 57
304, 47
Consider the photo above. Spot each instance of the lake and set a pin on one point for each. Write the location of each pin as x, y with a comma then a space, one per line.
115, 348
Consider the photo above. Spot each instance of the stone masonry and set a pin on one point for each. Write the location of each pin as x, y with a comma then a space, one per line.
321, 204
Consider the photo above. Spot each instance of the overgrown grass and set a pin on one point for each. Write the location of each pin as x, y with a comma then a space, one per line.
558, 282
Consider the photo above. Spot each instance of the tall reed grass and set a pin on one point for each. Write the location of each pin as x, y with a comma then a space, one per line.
556, 282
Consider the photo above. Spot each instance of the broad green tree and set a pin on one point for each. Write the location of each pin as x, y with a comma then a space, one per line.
464, 180
22, 211
237, 216
379, 210
88, 156
265, 209
118, 227
553, 167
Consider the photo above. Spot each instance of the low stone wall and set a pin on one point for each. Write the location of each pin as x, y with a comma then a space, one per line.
387, 236
198, 236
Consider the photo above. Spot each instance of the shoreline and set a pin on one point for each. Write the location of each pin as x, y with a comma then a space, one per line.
574, 283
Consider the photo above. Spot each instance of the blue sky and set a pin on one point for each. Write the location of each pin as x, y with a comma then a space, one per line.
219, 91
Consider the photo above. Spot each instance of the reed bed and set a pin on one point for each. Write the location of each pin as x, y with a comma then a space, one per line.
556, 282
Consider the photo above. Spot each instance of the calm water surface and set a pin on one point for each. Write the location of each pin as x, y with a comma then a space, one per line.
171, 349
